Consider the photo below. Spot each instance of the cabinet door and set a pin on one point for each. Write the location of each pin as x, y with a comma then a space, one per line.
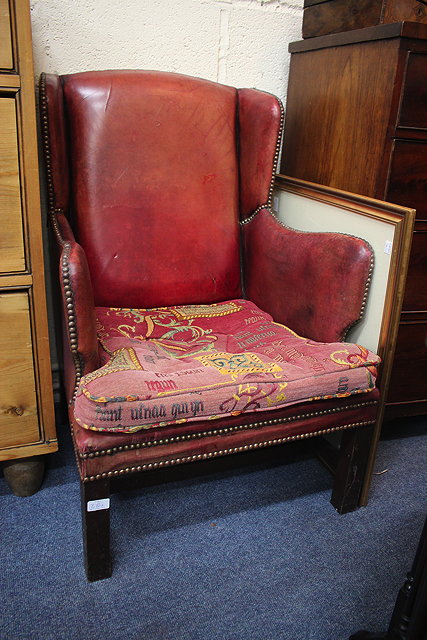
12, 256
408, 378
416, 284
19, 423
407, 182
6, 56
414, 94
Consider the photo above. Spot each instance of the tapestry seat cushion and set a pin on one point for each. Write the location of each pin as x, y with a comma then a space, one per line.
186, 363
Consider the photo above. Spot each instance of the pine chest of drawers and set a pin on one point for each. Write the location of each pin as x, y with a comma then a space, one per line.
27, 426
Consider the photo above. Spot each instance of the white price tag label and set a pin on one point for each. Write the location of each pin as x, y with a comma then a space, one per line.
98, 505
388, 246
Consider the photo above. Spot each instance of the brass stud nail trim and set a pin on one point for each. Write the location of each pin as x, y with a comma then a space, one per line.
268, 204
205, 434
66, 246
71, 318
276, 153
222, 452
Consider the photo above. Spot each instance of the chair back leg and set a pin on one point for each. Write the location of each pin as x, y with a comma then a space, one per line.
351, 467
95, 500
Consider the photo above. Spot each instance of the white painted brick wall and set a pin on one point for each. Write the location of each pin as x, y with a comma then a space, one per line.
243, 43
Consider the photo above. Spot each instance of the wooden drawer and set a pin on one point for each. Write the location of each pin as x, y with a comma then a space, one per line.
12, 255
339, 15
408, 378
6, 54
407, 182
416, 285
332, 16
19, 424
413, 111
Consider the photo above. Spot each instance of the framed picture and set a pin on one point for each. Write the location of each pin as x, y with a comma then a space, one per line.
387, 227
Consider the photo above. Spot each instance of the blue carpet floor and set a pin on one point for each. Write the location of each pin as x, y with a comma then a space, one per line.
254, 554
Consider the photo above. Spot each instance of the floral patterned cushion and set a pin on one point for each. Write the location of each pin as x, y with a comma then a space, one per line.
177, 364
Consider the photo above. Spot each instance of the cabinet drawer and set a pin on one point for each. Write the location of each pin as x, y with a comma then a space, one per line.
19, 423
413, 110
12, 256
6, 55
415, 298
408, 378
408, 176
339, 15
322, 17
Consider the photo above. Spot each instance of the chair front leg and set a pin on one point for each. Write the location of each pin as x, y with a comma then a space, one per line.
95, 500
351, 467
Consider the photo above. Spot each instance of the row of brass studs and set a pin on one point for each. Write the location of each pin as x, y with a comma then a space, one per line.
76, 455
219, 432
55, 225
255, 212
65, 267
46, 142
46, 149
365, 294
276, 153
222, 452
69, 305
268, 204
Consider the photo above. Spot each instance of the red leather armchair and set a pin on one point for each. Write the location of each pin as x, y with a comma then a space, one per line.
177, 281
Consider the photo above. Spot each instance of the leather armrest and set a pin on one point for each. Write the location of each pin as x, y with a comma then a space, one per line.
314, 283
78, 306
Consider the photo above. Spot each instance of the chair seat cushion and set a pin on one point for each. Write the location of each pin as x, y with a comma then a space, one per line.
186, 363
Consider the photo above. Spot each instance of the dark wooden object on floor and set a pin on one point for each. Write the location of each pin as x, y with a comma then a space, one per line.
322, 17
409, 619
350, 468
357, 120
24, 476
96, 529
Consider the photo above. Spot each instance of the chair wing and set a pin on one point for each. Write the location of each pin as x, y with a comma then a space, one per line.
316, 283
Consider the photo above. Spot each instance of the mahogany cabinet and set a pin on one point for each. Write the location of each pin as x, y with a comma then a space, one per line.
27, 425
357, 120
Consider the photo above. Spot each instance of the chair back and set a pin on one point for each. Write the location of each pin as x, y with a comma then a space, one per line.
154, 183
